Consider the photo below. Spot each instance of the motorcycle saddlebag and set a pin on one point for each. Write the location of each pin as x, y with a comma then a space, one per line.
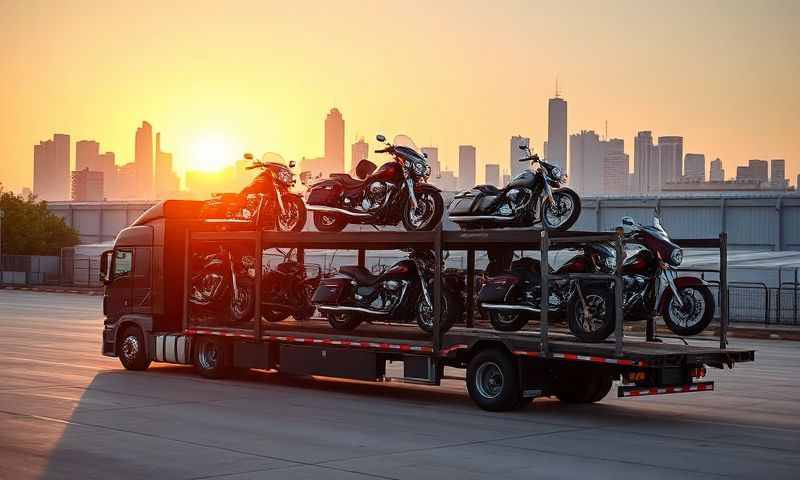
496, 289
331, 290
325, 193
466, 203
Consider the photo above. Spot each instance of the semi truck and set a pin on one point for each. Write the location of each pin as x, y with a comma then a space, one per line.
149, 317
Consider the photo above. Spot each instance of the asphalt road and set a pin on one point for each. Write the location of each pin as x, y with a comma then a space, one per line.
68, 412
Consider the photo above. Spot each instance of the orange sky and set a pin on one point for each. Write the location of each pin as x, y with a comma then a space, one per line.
261, 75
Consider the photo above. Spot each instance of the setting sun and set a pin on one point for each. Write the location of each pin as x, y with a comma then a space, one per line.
211, 153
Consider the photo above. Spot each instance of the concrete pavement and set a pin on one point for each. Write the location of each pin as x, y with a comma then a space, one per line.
68, 412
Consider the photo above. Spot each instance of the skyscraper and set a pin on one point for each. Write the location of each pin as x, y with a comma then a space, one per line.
717, 173
514, 154
694, 167
359, 151
51, 168
615, 172
87, 153
492, 174
106, 163
433, 160
755, 170
143, 159
586, 162
670, 158
778, 172
334, 141
466, 166
167, 181
645, 167
557, 132
87, 186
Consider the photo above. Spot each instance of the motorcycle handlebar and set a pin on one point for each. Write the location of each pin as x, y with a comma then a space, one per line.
254, 165
384, 150
532, 158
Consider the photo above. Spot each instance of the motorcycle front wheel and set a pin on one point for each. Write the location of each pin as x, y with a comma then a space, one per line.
451, 312
595, 322
694, 315
243, 302
563, 212
428, 213
294, 218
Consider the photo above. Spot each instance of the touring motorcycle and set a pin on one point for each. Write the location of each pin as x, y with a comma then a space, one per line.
266, 201
397, 191
288, 288
404, 291
685, 303
531, 198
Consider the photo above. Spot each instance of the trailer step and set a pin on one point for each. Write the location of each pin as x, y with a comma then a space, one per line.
636, 391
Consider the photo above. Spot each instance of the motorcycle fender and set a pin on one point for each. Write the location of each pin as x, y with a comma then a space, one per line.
680, 282
421, 187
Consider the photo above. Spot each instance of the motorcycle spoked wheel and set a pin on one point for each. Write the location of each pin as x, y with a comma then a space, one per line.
508, 321
428, 213
562, 214
345, 321
242, 303
295, 218
695, 314
599, 323
451, 312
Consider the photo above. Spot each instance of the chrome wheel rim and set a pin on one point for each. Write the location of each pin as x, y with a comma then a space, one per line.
288, 221
504, 318
694, 306
421, 215
596, 305
558, 211
425, 312
489, 380
130, 348
241, 301
208, 356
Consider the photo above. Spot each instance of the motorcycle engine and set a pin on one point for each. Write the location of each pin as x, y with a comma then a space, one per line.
389, 295
517, 198
375, 196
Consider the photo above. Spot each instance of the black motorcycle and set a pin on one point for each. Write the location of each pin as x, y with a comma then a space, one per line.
402, 292
531, 198
267, 201
221, 281
397, 191
651, 287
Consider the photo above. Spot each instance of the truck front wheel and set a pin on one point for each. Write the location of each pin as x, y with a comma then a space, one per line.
209, 357
131, 349
493, 382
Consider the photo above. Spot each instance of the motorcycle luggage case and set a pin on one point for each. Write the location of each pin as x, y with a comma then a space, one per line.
473, 202
325, 193
330, 290
496, 289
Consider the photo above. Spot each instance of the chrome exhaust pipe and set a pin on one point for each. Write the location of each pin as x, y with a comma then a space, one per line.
475, 218
344, 308
510, 308
347, 213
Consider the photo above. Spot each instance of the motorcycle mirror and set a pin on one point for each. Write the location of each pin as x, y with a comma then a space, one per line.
523, 147
248, 156
380, 138
628, 224
424, 154
292, 163
656, 222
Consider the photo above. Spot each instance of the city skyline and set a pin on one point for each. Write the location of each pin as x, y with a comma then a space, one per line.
223, 76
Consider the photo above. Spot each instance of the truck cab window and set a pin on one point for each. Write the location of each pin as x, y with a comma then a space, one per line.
123, 263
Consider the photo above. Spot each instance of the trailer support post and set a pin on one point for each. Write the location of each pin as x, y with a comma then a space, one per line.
362, 257
470, 287
259, 248
723, 290
437, 291
619, 319
544, 303
186, 286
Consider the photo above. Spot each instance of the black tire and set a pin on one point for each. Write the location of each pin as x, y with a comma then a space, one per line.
291, 202
344, 322
451, 309
600, 303
242, 305
132, 350
493, 381
427, 198
329, 222
583, 387
508, 322
210, 357
691, 296
564, 193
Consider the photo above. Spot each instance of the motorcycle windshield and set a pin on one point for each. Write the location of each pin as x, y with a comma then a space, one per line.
407, 149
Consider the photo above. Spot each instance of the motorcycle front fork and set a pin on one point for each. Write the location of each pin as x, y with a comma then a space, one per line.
668, 276
411, 195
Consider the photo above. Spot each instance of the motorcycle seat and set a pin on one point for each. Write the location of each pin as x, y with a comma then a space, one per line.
361, 275
488, 189
347, 181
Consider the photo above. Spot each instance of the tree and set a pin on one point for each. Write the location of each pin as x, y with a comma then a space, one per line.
30, 229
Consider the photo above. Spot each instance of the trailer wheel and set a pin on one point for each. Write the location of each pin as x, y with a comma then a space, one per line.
131, 349
583, 388
209, 357
492, 381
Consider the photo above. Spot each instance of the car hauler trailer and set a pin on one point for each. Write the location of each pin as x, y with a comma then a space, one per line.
149, 317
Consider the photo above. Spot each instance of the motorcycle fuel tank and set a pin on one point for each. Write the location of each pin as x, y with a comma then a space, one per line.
388, 172
526, 179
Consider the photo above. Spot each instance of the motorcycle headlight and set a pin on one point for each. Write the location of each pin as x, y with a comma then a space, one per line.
418, 168
558, 175
285, 177
676, 257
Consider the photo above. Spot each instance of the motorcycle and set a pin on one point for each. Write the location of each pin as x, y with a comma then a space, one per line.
685, 303
221, 281
266, 202
287, 290
397, 191
401, 292
531, 198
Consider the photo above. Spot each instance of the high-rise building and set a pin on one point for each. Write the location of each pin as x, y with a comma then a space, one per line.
544, 150
106, 163
492, 176
143, 159
126, 182
670, 158
557, 132
447, 181
778, 172
586, 162
757, 170
515, 154
359, 151
334, 142
87, 186
51, 168
433, 160
645, 163
466, 166
717, 173
506, 179
167, 182
615, 173
87, 153
694, 167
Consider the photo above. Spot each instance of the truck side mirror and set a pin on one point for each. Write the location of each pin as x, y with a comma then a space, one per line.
105, 266
292, 163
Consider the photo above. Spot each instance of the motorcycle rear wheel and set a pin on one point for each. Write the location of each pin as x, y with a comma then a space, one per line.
508, 322
344, 321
